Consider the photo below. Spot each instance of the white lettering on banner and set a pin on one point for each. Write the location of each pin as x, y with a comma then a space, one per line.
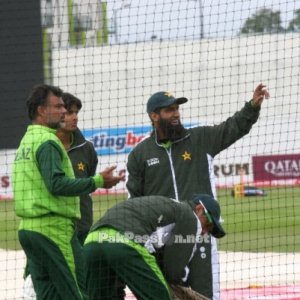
283, 167
230, 169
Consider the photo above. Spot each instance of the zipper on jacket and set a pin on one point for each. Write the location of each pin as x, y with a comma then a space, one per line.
169, 153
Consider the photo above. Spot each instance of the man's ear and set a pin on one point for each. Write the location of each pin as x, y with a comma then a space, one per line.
41, 110
154, 116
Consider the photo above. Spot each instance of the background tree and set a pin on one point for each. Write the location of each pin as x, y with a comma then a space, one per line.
263, 21
294, 24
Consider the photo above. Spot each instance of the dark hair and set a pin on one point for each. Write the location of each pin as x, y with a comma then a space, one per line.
38, 96
70, 100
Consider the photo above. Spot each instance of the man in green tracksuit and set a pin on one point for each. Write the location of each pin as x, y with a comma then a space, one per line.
147, 242
83, 158
176, 162
46, 199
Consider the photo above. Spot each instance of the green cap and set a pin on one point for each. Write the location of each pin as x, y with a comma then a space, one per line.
163, 99
213, 208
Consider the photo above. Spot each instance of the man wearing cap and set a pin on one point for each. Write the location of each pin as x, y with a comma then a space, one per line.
147, 241
177, 162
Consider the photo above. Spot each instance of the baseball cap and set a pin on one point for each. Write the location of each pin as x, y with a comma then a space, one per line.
213, 208
163, 99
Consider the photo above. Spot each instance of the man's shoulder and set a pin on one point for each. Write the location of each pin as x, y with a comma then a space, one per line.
85, 145
145, 142
78, 137
40, 133
199, 129
153, 198
90, 144
90, 150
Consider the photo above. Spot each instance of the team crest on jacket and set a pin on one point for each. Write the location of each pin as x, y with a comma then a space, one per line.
81, 166
186, 156
152, 161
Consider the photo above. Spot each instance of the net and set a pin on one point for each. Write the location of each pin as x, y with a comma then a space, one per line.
113, 56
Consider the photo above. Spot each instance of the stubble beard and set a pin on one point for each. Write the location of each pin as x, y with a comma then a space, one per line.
56, 125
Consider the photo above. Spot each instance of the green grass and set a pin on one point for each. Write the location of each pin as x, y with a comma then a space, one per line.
258, 224
8, 226
262, 224
9, 222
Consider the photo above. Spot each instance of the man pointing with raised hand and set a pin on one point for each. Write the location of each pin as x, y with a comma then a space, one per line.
177, 162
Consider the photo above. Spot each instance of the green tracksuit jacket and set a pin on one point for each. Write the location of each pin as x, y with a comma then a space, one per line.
44, 183
46, 198
165, 227
84, 161
184, 169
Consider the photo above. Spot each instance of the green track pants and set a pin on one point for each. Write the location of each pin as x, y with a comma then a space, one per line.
111, 258
51, 265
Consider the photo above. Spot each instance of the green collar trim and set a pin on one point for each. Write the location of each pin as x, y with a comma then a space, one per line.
167, 145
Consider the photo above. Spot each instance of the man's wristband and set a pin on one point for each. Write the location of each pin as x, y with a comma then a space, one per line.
99, 181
